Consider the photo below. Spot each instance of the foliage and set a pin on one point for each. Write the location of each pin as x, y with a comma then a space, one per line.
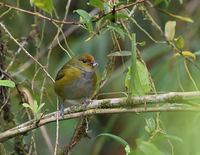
35, 109
46, 5
170, 30
141, 47
7, 83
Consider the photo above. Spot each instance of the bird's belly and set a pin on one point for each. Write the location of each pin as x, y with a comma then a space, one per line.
80, 88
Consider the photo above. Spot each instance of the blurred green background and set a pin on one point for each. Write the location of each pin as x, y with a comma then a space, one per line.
179, 130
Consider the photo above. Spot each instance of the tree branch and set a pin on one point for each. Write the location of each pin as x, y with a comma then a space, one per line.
173, 101
38, 15
64, 21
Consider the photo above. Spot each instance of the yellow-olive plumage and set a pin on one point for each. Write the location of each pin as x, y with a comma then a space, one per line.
77, 78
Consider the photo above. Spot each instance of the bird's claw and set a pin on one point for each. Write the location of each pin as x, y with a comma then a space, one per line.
61, 111
86, 101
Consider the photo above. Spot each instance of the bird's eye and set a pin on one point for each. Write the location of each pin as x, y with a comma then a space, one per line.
84, 61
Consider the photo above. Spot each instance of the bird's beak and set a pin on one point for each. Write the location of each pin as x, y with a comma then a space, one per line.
94, 64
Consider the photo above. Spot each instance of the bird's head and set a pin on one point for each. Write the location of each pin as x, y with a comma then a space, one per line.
88, 59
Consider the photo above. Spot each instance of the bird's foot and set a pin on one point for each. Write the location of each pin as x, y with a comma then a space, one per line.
86, 101
61, 111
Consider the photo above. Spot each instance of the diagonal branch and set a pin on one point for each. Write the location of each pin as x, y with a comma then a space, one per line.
26, 52
173, 101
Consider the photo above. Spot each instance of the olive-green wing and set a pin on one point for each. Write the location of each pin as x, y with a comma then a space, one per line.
61, 73
68, 73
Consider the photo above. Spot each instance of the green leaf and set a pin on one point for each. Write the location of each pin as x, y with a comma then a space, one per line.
26, 105
127, 149
185, 19
120, 54
117, 29
137, 79
119, 140
187, 54
7, 83
143, 43
35, 106
173, 138
149, 148
40, 106
141, 80
86, 18
45, 5
170, 30
129, 80
85, 15
180, 43
97, 4
146, 148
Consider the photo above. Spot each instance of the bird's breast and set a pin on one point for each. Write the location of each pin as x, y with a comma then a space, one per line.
80, 87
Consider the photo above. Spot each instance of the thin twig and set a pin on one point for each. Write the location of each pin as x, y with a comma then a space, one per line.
27, 53
57, 129
39, 15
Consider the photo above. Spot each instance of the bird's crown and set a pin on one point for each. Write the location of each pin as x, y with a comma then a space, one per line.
88, 59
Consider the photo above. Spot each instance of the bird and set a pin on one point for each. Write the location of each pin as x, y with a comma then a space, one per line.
77, 79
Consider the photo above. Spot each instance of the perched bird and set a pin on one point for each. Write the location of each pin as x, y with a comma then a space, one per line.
77, 79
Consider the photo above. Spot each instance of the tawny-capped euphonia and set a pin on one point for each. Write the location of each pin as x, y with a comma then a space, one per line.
77, 79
